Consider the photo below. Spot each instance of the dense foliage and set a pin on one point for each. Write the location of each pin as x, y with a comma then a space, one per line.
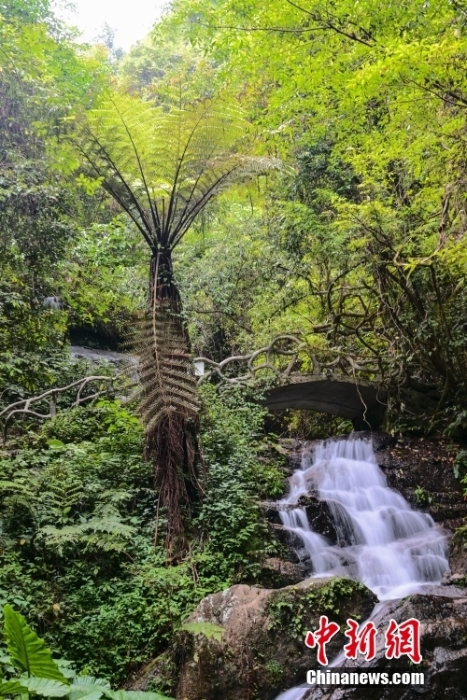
356, 245
31, 670
82, 554
368, 103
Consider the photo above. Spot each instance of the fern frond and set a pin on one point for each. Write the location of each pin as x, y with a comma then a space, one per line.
164, 167
167, 382
107, 533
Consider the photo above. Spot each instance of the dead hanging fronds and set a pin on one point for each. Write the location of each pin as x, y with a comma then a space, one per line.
169, 405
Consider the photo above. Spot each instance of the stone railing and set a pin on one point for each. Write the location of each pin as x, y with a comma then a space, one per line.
34, 405
285, 355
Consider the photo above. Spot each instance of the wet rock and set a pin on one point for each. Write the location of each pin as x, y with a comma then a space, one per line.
454, 580
277, 573
422, 470
318, 515
458, 559
413, 464
443, 616
262, 648
320, 519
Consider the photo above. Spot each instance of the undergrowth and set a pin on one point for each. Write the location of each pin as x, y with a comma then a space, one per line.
78, 542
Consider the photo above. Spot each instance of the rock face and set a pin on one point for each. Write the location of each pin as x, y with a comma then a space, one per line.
320, 520
262, 652
262, 649
423, 472
443, 616
276, 573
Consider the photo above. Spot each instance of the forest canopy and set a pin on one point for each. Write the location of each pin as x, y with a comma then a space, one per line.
246, 171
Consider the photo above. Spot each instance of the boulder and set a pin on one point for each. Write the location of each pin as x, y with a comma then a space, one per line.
277, 573
262, 648
443, 633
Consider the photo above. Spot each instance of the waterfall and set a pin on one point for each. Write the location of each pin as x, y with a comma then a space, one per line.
382, 542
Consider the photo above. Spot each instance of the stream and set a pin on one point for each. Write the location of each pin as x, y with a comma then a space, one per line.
382, 542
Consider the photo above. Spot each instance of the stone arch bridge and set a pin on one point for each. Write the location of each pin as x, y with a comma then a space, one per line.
291, 375
288, 373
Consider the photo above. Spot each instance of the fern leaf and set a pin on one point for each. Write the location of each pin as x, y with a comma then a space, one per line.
28, 652
167, 379
207, 629
110, 524
163, 168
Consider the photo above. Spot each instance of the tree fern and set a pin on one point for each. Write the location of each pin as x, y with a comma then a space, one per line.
163, 168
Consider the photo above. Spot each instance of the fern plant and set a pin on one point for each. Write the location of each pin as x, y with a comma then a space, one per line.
163, 168
37, 673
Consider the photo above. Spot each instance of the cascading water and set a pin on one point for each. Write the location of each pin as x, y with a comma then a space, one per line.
391, 548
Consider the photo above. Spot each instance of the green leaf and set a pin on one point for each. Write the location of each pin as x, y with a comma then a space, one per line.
207, 629
134, 695
89, 687
87, 693
12, 688
55, 444
27, 650
46, 686
90, 682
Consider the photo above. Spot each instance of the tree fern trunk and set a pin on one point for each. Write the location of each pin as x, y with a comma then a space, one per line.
170, 407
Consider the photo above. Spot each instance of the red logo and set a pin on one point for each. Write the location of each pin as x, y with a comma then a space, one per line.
400, 640
321, 637
403, 639
362, 641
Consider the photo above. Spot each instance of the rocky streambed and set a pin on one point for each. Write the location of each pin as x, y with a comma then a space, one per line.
261, 651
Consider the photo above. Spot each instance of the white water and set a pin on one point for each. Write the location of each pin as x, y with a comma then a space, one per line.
392, 549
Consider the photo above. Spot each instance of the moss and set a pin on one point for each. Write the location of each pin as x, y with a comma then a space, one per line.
294, 610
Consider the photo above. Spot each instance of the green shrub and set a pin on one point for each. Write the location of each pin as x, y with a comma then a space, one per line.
29, 669
78, 509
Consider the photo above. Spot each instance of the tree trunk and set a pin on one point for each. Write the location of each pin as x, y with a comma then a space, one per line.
169, 404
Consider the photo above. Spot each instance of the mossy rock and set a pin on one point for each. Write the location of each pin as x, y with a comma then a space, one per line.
262, 649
